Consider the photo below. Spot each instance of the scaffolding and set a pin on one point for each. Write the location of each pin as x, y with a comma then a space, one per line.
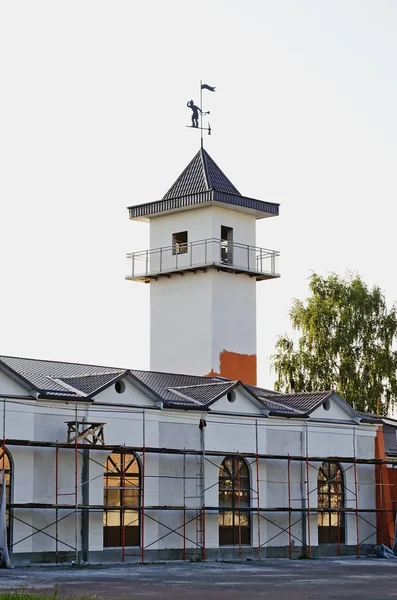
86, 438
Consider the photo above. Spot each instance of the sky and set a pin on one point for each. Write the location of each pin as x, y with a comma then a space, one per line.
93, 114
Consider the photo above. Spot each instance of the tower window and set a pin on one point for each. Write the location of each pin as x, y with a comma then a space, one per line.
226, 245
179, 242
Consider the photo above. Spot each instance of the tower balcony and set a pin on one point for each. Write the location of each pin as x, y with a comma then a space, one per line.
212, 253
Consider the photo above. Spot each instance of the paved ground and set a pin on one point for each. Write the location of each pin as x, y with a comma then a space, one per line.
271, 579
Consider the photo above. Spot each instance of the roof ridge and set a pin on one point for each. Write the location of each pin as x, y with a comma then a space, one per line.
61, 362
203, 156
168, 373
306, 393
271, 401
181, 176
230, 382
184, 396
213, 185
99, 374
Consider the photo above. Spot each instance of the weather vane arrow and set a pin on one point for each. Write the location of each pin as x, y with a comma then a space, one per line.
199, 109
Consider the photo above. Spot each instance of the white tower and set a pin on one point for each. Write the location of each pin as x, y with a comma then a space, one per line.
202, 266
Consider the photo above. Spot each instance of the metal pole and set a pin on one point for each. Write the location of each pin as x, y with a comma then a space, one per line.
143, 484
338, 521
4, 435
202, 459
356, 493
302, 489
201, 114
184, 507
309, 550
76, 489
122, 502
85, 501
257, 489
239, 513
289, 506
56, 501
3, 461
204, 550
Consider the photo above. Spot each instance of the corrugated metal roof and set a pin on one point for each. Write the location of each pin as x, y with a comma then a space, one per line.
175, 389
88, 384
202, 182
262, 391
54, 368
369, 418
201, 174
390, 435
161, 383
302, 401
149, 209
280, 410
204, 393
41, 375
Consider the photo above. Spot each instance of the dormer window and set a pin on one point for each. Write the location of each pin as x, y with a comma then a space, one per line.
179, 242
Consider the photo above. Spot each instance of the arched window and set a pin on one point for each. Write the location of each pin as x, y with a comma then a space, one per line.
122, 490
5, 466
234, 496
331, 494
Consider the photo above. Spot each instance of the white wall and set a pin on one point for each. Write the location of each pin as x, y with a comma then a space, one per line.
131, 395
34, 470
194, 317
202, 223
333, 410
9, 386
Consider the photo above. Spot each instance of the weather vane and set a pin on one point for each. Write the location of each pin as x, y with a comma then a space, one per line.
199, 109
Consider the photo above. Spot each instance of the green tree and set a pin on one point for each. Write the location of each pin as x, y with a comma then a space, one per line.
346, 338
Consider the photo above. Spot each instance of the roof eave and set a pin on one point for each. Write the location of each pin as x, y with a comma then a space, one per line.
259, 208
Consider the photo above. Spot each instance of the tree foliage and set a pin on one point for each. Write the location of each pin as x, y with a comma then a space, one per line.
346, 343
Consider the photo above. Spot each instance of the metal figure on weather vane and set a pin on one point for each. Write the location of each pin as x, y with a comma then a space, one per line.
199, 109
195, 113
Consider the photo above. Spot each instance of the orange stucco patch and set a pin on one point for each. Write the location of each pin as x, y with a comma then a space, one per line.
384, 520
238, 366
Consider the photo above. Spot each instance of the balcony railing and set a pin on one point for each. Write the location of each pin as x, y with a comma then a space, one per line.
225, 256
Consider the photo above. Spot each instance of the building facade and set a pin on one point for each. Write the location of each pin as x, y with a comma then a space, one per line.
190, 460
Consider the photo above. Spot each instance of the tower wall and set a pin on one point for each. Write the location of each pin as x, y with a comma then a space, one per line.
202, 223
204, 323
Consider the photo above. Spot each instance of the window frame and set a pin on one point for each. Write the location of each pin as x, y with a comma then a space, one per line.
234, 493
180, 245
122, 467
331, 494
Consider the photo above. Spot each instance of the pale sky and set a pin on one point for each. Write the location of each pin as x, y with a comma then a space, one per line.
93, 114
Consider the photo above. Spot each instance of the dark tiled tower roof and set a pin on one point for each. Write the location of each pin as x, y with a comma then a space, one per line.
202, 183
201, 175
